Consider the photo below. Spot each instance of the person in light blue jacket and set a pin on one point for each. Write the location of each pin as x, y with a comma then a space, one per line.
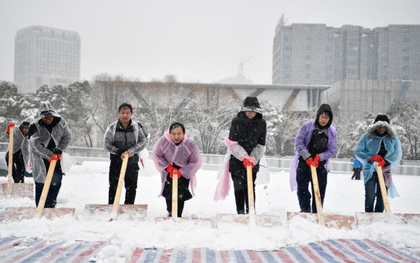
380, 146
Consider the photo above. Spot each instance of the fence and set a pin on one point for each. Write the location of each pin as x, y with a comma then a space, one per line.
213, 161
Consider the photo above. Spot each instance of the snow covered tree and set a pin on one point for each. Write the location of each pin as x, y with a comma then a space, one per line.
406, 117
160, 103
11, 102
210, 124
282, 127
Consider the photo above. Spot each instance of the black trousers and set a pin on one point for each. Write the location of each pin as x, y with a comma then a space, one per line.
130, 180
240, 185
53, 191
169, 206
184, 194
18, 168
303, 178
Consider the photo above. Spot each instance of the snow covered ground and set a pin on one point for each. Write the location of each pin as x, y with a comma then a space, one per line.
88, 184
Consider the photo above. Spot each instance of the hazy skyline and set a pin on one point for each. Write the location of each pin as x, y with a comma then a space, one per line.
200, 41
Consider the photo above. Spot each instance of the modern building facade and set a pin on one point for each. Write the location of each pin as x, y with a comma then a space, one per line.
46, 56
316, 54
352, 99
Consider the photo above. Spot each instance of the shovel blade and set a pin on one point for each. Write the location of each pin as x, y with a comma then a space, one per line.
192, 220
12, 214
331, 220
20, 190
129, 212
261, 220
364, 219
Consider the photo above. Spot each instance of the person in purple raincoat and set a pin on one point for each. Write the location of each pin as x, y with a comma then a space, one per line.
174, 151
315, 144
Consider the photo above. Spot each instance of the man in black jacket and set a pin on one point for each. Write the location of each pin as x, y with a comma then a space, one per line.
124, 137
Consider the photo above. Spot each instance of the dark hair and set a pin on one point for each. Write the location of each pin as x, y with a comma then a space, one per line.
176, 125
125, 106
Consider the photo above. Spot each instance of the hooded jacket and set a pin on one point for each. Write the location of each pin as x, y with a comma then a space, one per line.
246, 139
20, 141
43, 139
246, 136
304, 136
370, 144
184, 155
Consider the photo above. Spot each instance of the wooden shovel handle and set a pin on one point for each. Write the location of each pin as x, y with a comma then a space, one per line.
45, 190
250, 184
383, 189
317, 196
10, 166
117, 198
175, 193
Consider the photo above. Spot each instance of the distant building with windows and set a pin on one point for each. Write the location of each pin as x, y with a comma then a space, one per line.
46, 56
316, 54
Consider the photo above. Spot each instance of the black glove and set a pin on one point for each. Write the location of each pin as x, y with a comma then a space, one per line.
57, 151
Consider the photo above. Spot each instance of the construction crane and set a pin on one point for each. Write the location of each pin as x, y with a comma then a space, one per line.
405, 85
241, 65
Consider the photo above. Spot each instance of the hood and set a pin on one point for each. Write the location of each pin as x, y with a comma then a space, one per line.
324, 108
251, 104
46, 110
381, 121
26, 122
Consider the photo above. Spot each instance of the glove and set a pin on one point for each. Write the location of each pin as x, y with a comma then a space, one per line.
57, 151
178, 172
377, 158
171, 170
10, 125
141, 161
249, 161
55, 157
313, 161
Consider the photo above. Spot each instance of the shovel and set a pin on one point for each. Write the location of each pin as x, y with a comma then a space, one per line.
20, 213
252, 218
174, 210
329, 220
11, 189
132, 212
175, 194
368, 218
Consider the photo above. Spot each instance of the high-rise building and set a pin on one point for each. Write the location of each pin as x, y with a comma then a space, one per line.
46, 56
316, 54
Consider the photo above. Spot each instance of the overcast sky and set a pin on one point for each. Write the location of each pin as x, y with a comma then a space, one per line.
195, 40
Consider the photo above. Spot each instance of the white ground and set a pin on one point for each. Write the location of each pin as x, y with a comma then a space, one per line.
88, 184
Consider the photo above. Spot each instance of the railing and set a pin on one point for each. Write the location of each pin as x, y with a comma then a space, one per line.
214, 161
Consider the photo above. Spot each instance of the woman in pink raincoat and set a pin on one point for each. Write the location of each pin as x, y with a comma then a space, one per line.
174, 151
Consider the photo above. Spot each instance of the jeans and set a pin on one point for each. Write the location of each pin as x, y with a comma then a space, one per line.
372, 191
53, 191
